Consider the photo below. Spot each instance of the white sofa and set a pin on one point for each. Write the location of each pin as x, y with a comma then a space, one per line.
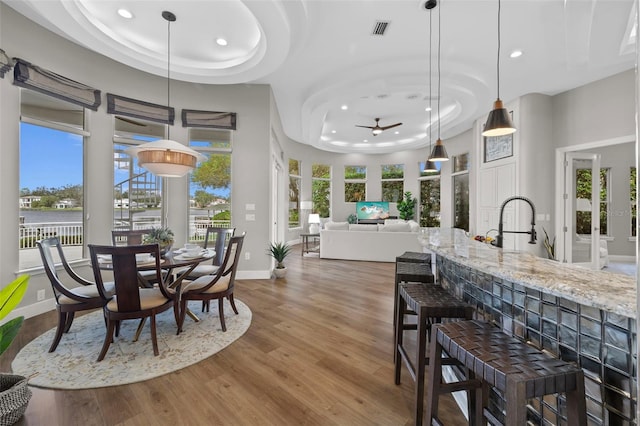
377, 243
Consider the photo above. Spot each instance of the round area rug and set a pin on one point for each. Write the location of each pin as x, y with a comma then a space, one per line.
73, 365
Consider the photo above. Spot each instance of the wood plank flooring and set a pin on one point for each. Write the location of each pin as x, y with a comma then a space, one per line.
319, 352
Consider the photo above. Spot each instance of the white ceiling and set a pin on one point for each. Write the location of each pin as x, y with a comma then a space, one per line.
320, 54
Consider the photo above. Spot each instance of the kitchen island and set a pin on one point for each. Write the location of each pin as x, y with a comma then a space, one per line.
577, 314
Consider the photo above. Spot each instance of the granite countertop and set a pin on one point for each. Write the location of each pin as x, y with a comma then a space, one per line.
604, 290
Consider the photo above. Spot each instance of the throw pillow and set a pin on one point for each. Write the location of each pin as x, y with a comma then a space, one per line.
336, 226
415, 226
393, 221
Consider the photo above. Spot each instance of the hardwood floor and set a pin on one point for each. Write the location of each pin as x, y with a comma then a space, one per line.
318, 352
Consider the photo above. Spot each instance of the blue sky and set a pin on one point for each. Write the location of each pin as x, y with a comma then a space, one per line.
52, 158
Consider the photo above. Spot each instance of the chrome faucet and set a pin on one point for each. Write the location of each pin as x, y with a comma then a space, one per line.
532, 240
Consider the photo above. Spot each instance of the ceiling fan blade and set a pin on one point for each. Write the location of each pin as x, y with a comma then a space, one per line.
391, 126
366, 127
131, 121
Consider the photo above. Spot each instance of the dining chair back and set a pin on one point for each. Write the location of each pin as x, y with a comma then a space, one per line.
131, 301
218, 286
82, 295
222, 236
128, 237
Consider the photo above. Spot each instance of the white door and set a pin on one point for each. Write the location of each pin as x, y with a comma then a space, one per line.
582, 210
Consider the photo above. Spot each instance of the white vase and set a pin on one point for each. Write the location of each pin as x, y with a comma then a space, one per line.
280, 272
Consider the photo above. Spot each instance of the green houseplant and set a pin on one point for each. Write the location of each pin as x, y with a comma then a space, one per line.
279, 251
14, 392
161, 235
406, 207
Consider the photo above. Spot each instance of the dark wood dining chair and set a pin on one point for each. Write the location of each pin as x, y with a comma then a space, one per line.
222, 236
83, 296
212, 287
128, 237
133, 237
131, 301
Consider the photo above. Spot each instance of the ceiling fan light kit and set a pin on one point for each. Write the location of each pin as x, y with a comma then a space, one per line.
377, 129
499, 120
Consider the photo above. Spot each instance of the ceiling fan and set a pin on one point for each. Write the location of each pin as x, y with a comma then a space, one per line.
377, 129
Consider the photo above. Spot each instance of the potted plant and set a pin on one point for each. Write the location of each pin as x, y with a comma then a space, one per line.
14, 391
161, 235
279, 251
406, 207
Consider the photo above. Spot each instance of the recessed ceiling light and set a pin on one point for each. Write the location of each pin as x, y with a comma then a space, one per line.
221, 42
365, 140
427, 109
344, 107
125, 13
516, 54
333, 131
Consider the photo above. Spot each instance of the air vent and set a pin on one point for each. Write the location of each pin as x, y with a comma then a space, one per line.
380, 27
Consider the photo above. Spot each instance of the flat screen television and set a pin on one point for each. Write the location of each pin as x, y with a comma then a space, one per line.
372, 210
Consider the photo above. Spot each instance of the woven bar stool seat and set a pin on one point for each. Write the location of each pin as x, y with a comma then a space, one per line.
517, 370
429, 302
414, 257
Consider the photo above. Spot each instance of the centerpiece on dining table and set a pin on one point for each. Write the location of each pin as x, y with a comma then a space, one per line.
161, 235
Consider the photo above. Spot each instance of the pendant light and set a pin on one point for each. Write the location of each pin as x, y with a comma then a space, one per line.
439, 153
499, 120
430, 166
165, 157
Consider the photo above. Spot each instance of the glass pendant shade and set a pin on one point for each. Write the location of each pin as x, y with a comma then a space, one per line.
439, 153
499, 121
166, 158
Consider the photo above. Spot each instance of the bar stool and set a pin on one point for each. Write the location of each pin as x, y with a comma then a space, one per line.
427, 301
517, 370
414, 257
410, 272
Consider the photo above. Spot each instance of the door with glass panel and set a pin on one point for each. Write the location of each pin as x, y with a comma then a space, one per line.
582, 210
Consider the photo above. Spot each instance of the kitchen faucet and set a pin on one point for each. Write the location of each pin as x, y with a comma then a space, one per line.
532, 240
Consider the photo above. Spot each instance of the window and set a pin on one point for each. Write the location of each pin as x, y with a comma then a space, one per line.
460, 176
583, 190
137, 193
429, 198
210, 182
634, 198
392, 182
321, 189
295, 182
51, 176
355, 183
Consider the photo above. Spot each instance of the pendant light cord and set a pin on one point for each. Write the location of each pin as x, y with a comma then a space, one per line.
430, 94
168, 73
498, 59
439, 43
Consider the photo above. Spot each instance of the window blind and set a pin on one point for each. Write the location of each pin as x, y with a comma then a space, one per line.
214, 119
44, 81
139, 109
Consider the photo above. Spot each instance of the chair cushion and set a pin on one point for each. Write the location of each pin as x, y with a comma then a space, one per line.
201, 270
221, 285
149, 298
86, 291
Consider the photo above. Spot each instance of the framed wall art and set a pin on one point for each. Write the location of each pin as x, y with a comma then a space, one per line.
498, 147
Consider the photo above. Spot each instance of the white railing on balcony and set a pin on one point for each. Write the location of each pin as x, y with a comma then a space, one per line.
70, 233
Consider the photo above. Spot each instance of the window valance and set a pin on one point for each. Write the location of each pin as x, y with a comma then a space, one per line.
214, 119
5, 63
44, 81
139, 109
